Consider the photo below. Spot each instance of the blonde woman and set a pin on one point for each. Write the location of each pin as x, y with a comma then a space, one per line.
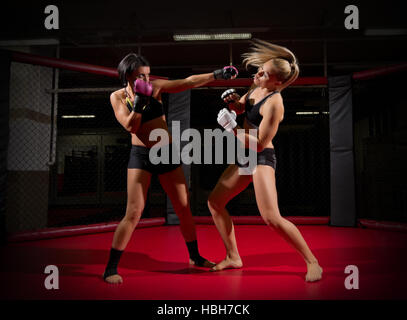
263, 104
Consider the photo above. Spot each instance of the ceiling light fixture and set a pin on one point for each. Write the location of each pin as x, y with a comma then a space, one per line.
80, 116
304, 113
212, 36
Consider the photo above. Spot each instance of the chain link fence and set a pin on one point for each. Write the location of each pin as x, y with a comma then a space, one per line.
302, 150
68, 154
90, 174
28, 155
380, 130
67, 157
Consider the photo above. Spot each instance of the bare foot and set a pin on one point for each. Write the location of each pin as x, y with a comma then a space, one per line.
314, 272
114, 279
204, 264
228, 263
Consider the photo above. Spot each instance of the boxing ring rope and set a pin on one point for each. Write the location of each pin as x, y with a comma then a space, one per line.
112, 72
150, 222
247, 82
382, 225
377, 72
51, 233
66, 64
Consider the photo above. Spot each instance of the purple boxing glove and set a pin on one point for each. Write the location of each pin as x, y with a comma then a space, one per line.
143, 91
143, 87
228, 72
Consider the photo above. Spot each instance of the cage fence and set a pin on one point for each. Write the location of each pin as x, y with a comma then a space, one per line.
68, 155
380, 131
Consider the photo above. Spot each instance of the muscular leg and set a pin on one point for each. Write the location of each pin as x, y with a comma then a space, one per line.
138, 182
266, 197
175, 186
229, 185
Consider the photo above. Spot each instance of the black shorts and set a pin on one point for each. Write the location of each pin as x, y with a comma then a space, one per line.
266, 157
139, 159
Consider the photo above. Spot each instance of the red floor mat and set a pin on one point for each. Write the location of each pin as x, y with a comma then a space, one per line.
154, 266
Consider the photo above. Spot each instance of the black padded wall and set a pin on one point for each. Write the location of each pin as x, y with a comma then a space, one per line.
343, 209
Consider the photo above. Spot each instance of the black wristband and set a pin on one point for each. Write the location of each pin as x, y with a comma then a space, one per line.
140, 102
218, 74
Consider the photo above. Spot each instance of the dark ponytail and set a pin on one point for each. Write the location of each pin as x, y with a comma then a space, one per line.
128, 64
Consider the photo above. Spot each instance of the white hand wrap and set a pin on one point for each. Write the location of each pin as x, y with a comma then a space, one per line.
227, 119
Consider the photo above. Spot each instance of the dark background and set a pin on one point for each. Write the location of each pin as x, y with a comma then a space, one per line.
102, 33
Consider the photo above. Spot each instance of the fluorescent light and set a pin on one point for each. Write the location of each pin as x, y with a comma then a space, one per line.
302, 113
212, 36
29, 42
306, 112
385, 32
80, 116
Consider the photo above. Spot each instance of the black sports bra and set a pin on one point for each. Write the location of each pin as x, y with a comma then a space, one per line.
152, 110
253, 115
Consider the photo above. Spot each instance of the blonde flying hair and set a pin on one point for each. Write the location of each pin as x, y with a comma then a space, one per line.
285, 62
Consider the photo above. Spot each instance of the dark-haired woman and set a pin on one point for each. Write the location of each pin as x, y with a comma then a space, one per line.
138, 108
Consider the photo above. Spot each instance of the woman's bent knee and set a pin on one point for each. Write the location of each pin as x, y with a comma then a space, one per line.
214, 205
274, 223
133, 215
